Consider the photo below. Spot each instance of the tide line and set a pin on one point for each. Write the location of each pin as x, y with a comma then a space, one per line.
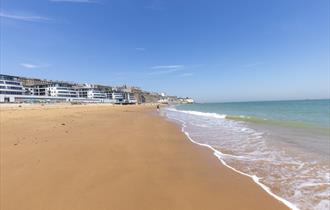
256, 179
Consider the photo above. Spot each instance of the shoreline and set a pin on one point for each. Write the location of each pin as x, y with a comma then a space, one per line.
289, 163
102, 172
255, 179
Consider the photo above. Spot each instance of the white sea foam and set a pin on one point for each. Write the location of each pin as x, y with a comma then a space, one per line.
256, 179
204, 114
245, 150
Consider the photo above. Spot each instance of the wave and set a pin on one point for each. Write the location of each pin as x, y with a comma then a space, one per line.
205, 114
220, 156
258, 120
288, 162
220, 116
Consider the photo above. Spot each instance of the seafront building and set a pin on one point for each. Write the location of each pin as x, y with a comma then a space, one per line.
54, 89
122, 98
12, 90
117, 97
15, 89
90, 91
130, 98
9, 87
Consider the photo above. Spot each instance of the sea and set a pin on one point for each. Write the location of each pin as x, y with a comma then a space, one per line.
283, 146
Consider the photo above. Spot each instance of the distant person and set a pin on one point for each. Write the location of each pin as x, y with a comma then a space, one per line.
158, 108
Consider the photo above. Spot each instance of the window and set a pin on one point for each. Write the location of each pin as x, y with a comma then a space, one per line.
13, 83
61, 88
10, 93
14, 88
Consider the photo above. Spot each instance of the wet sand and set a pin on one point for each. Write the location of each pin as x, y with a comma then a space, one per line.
112, 157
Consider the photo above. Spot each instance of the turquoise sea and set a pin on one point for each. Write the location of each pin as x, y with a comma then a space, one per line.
283, 145
302, 113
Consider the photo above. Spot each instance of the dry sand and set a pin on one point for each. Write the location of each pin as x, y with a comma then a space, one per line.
105, 157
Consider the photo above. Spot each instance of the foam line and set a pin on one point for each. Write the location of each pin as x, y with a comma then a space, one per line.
204, 114
256, 179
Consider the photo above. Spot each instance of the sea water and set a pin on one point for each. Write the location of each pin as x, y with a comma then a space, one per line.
283, 145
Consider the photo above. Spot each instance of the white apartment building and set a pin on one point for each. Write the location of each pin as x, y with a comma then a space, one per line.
130, 98
122, 98
117, 97
9, 88
12, 90
90, 92
96, 94
54, 89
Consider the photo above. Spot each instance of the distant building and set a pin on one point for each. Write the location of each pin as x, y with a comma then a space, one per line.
186, 100
12, 90
122, 98
90, 92
54, 89
130, 98
190, 100
117, 97
23, 89
9, 87
96, 94
163, 94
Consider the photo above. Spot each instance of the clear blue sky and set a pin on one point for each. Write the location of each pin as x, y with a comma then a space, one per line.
221, 50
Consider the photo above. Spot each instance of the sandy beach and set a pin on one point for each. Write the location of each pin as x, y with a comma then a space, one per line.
112, 157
